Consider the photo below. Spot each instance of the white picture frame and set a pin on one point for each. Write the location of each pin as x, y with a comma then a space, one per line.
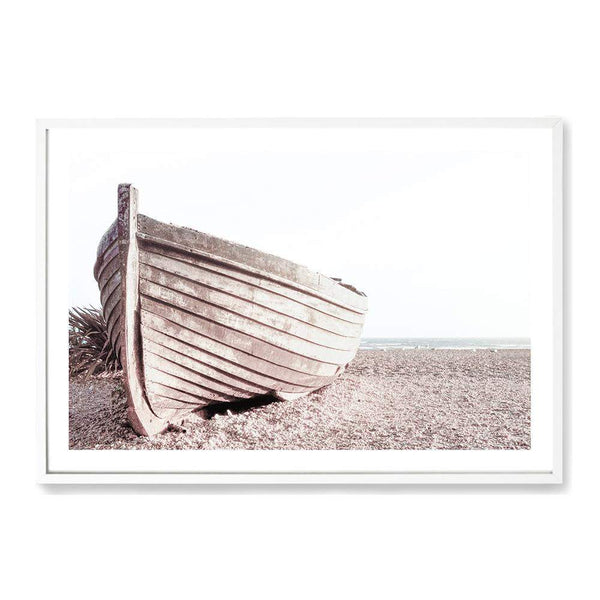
88, 471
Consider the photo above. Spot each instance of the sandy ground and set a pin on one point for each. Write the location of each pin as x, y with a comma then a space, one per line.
399, 399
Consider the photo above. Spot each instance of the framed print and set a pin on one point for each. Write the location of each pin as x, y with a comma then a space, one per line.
300, 301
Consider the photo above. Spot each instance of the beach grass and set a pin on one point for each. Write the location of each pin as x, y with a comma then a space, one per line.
90, 350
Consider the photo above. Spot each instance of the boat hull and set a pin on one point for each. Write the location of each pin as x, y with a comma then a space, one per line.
196, 320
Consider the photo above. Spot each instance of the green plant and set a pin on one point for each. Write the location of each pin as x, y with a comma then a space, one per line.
90, 350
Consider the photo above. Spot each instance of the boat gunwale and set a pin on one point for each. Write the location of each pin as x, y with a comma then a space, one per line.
212, 266
110, 238
243, 267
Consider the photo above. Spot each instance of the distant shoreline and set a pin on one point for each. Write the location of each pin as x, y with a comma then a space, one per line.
408, 348
370, 343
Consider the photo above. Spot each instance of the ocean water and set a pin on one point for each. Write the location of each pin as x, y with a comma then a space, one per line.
447, 343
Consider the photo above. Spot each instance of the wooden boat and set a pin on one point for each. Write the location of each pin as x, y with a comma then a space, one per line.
197, 320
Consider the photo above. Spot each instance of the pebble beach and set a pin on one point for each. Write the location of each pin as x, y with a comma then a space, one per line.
386, 400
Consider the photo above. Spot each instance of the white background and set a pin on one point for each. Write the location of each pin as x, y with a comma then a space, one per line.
434, 225
307, 59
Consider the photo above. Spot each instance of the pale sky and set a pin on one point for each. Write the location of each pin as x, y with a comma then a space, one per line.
433, 225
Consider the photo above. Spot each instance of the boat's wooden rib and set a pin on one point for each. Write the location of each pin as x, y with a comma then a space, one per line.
197, 320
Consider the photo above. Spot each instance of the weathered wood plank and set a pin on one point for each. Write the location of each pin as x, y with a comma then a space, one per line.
114, 328
239, 327
224, 359
245, 351
107, 240
113, 303
170, 364
239, 340
236, 274
167, 400
264, 318
109, 266
155, 354
273, 297
155, 375
262, 264
111, 287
